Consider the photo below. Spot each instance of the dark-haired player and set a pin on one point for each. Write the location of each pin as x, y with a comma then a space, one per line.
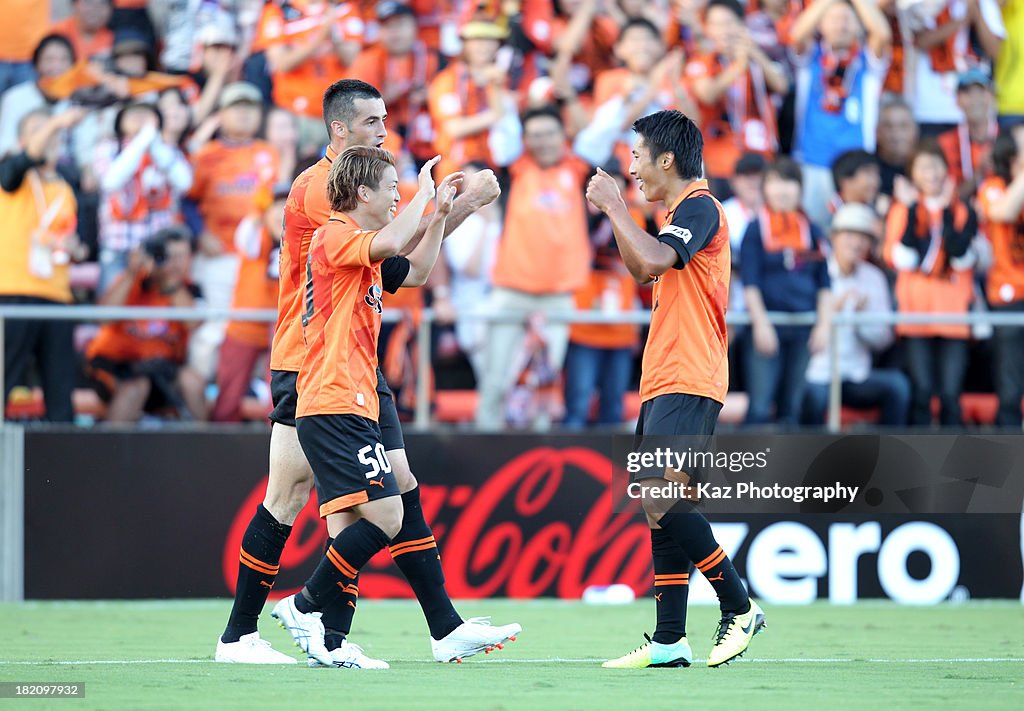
355, 114
685, 374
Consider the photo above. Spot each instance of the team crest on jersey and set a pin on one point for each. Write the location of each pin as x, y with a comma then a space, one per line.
373, 298
680, 232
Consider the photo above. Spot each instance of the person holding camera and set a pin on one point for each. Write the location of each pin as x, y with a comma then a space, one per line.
38, 211
139, 365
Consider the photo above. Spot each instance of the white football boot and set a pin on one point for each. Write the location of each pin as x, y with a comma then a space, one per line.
305, 628
250, 649
352, 656
473, 636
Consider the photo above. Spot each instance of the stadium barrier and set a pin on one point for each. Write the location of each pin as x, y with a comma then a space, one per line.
12, 511
422, 419
162, 514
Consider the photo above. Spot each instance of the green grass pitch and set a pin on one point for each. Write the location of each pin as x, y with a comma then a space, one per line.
872, 655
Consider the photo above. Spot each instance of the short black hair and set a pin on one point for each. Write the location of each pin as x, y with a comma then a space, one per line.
673, 132
549, 111
340, 100
1004, 153
134, 106
49, 39
927, 147
847, 164
786, 168
731, 5
639, 22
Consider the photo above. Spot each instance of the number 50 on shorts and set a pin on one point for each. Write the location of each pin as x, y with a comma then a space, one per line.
376, 458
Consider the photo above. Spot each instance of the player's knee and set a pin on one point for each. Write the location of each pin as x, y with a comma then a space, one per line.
388, 516
288, 490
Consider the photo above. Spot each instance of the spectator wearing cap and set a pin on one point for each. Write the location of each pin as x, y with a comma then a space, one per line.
140, 365
1001, 207
257, 241
231, 173
218, 58
470, 104
1009, 87
968, 145
141, 179
857, 179
401, 66
858, 287
735, 84
543, 258
838, 88
37, 208
308, 44
130, 54
87, 29
18, 40
941, 35
53, 56
649, 80
783, 268
928, 236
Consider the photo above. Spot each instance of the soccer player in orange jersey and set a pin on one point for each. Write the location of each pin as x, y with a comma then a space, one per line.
338, 410
685, 374
355, 114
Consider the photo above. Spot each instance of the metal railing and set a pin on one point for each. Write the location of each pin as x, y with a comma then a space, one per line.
422, 418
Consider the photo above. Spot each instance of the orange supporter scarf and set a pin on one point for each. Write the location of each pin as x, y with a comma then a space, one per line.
84, 75
943, 55
781, 231
838, 74
894, 78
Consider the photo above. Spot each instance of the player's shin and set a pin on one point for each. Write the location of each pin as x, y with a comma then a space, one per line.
259, 561
337, 615
692, 531
415, 552
351, 550
671, 587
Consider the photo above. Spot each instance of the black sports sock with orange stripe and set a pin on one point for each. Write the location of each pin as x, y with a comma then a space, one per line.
415, 552
671, 586
351, 550
258, 564
337, 615
693, 533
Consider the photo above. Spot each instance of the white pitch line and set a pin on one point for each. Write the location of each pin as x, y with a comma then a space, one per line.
561, 660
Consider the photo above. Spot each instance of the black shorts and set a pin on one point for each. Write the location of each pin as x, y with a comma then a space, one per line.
680, 422
390, 426
350, 466
106, 374
284, 396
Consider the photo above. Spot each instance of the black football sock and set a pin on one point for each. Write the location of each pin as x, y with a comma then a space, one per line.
258, 563
351, 549
337, 615
415, 552
671, 586
693, 533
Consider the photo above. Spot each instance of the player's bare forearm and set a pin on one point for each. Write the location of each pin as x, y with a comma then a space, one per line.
642, 253
423, 258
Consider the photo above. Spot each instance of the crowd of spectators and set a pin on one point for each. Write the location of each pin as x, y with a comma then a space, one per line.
869, 155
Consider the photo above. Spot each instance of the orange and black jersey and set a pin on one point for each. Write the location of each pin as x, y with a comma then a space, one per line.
686, 351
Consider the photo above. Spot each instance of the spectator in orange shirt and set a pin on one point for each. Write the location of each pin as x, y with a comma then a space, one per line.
470, 103
87, 29
230, 174
580, 35
928, 237
733, 85
649, 81
1001, 205
968, 146
139, 365
401, 66
685, 28
308, 44
258, 241
543, 258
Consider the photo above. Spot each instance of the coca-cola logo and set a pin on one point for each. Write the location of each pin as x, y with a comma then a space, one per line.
508, 536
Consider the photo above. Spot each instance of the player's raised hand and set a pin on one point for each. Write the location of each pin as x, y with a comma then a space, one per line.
482, 188
446, 193
603, 192
426, 180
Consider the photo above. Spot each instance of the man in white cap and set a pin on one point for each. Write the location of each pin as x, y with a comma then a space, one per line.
858, 287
